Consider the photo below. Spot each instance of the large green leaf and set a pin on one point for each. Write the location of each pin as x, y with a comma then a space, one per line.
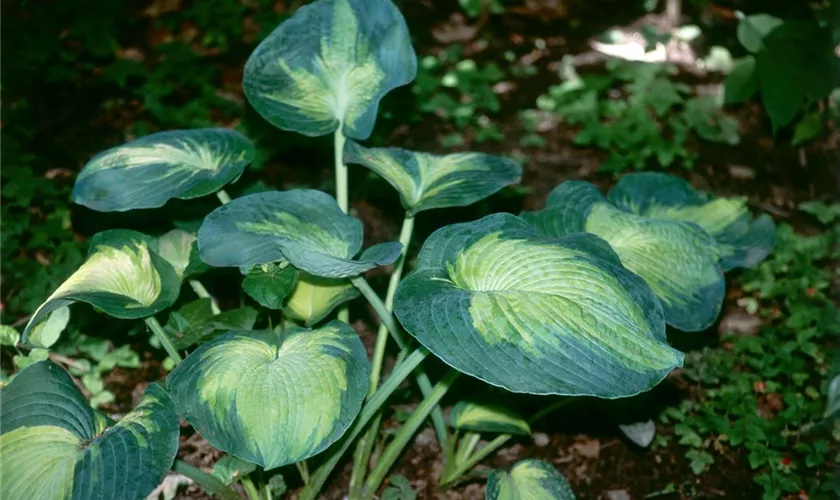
528, 480
741, 83
313, 298
678, 260
148, 172
494, 299
427, 181
54, 445
304, 226
124, 276
479, 416
269, 284
753, 29
273, 399
330, 64
742, 240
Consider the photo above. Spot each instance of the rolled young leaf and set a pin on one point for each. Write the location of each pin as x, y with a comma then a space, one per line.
483, 417
742, 240
180, 249
269, 284
273, 399
54, 445
123, 276
678, 260
148, 172
304, 226
528, 479
426, 181
313, 298
494, 299
330, 64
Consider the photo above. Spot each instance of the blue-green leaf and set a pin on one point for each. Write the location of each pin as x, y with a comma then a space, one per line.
269, 284
426, 181
273, 398
678, 260
148, 172
742, 240
124, 276
304, 226
528, 480
313, 298
494, 299
329, 65
54, 445
478, 416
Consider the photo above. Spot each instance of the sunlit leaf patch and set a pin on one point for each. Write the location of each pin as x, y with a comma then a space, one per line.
148, 172
329, 65
496, 300
273, 398
54, 445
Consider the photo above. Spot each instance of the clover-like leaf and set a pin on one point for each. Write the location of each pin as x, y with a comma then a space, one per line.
54, 445
269, 284
494, 299
426, 181
148, 172
329, 65
304, 226
742, 240
678, 260
124, 276
313, 298
528, 479
180, 249
273, 398
486, 417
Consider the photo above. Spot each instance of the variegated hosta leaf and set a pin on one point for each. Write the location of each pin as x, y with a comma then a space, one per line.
313, 298
484, 417
678, 260
528, 480
269, 284
330, 64
427, 181
46, 332
742, 240
494, 299
273, 398
124, 276
148, 172
304, 226
54, 445
180, 249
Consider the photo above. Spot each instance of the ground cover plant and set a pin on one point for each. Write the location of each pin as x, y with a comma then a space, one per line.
250, 380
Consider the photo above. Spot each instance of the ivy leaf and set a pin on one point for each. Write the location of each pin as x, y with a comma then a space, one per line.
329, 65
494, 299
426, 181
273, 399
54, 445
124, 276
148, 172
269, 284
239, 319
528, 479
304, 226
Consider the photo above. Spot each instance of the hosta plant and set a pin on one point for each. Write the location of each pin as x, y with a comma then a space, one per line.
568, 302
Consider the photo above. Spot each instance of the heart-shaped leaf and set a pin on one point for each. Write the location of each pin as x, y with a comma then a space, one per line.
269, 284
205, 328
180, 249
742, 240
148, 172
678, 260
494, 299
313, 298
528, 479
329, 65
427, 181
486, 417
54, 445
123, 276
304, 226
641, 433
273, 399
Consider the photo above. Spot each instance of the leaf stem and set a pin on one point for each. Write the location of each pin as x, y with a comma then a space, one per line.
396, 446
155, 327
406, 363
250, 489
202, 293
303, 470
341, 192
210, 483
223, 197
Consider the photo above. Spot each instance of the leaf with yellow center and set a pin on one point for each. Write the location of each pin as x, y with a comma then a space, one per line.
528, 480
